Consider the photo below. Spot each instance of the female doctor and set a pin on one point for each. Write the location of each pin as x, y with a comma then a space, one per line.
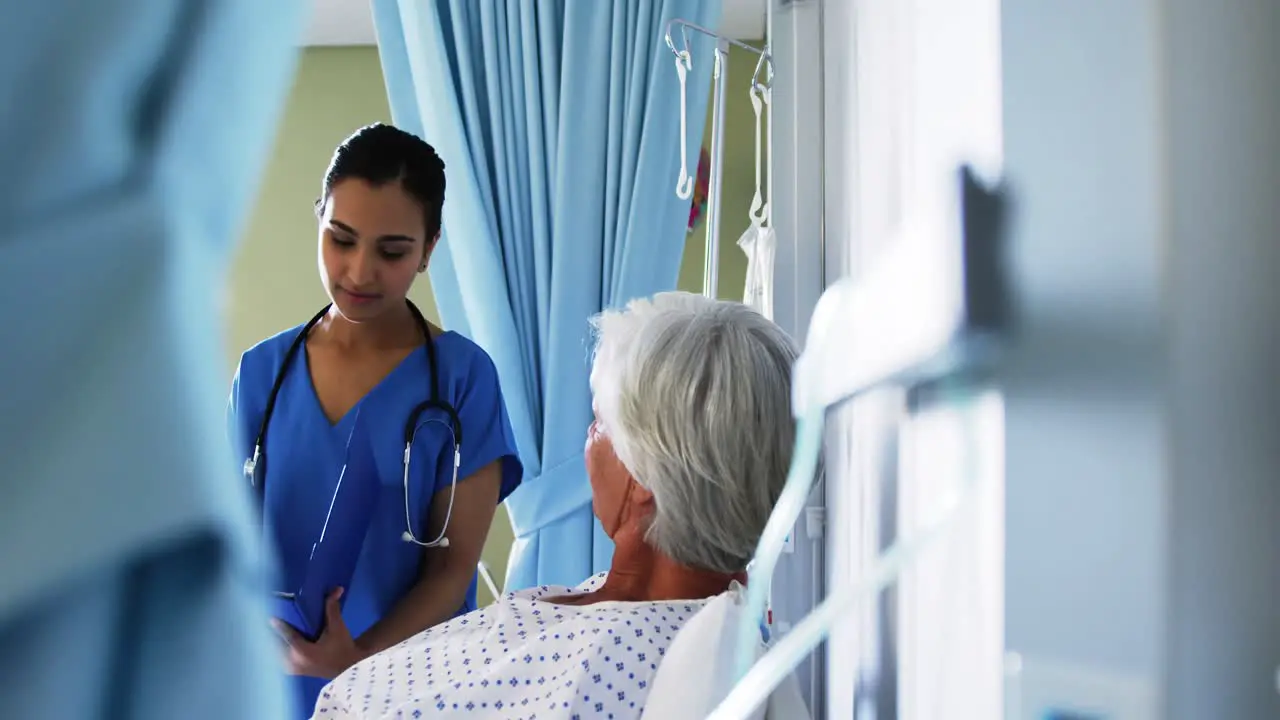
370, 355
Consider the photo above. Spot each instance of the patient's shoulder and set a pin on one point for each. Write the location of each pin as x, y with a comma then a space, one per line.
593, 660
591, 584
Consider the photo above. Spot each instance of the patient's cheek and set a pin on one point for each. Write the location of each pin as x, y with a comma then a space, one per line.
609, 480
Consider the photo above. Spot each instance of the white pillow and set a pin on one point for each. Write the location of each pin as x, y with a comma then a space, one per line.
697, 672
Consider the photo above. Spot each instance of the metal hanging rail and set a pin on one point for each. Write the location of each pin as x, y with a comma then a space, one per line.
711, 271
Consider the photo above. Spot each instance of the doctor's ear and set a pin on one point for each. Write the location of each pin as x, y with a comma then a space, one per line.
426, 252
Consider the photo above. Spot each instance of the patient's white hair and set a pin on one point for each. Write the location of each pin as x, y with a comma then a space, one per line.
695, 396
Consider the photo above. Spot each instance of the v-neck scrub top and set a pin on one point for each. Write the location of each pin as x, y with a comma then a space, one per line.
305, 452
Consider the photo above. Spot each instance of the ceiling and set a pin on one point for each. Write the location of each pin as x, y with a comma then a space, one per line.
350, 22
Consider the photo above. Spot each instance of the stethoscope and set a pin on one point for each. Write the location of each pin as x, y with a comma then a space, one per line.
255, 467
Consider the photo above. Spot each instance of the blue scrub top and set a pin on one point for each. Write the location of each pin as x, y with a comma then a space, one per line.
305, 454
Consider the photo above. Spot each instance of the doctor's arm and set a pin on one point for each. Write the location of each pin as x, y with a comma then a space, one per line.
446, 572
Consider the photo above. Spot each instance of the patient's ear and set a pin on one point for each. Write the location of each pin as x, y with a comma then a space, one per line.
640, 498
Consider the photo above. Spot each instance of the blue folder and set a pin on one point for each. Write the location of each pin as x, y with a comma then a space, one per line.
337, 550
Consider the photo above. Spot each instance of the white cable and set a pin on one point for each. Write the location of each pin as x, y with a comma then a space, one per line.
753, 689
684, 185
487, 577
771, 669
815, 589
791, 502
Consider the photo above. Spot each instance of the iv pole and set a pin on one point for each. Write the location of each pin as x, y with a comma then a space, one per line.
711, 271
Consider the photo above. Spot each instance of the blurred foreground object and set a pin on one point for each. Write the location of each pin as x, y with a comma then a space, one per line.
132, 139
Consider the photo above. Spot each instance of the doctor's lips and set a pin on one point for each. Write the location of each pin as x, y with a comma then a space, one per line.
360, 297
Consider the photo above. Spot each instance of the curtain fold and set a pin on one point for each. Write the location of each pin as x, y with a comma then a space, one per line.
133, 136
559, 125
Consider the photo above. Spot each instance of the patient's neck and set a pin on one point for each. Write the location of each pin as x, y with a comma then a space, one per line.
639, 573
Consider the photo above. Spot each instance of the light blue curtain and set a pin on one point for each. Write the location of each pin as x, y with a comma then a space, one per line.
559, 123
132, 136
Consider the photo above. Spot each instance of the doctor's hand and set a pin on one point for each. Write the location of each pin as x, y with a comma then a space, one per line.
327, 657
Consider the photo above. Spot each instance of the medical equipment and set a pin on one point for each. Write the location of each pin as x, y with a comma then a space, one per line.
255, 466
759, 241
853, 346
684, 186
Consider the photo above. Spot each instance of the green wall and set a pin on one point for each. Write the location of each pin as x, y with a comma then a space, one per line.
274, 280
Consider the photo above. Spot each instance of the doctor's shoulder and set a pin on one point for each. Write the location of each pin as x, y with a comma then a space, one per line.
466, 364
260, 364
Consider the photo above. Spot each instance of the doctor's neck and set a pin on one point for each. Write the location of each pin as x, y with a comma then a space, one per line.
393, 328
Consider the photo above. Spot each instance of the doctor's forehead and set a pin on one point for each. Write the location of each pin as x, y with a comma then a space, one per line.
363, 209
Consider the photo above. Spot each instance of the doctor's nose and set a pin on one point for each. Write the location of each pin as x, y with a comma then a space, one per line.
362, 270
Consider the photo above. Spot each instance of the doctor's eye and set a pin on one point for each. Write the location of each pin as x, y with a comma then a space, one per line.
386, 255
341, 242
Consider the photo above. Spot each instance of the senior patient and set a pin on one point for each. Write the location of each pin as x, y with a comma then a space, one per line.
686, 457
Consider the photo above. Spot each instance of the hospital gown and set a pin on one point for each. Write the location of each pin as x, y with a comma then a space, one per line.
520, 658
